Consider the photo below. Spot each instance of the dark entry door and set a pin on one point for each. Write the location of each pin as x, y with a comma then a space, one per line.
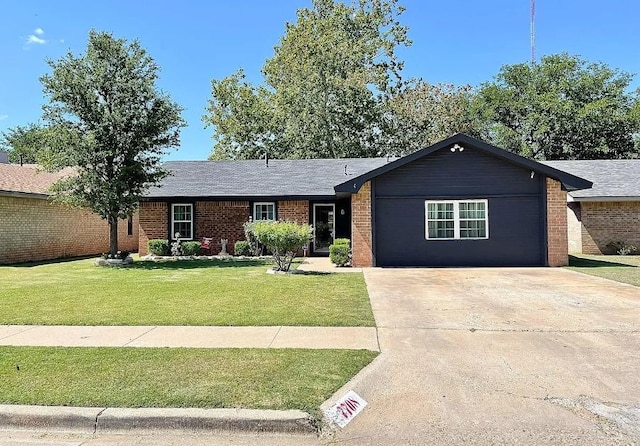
323, 227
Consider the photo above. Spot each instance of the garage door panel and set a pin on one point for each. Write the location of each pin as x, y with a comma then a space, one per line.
516, 235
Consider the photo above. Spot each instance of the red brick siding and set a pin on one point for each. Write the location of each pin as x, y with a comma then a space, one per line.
361, 237
297, 211
221, 220
606, 222
557, 244
34, 229
153, 223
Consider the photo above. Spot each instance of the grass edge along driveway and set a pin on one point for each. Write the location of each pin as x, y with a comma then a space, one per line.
196, 292
625, 269
177, 377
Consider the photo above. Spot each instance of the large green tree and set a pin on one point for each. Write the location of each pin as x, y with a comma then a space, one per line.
421, 114
39, 144
121, 126
324, 89
562, 108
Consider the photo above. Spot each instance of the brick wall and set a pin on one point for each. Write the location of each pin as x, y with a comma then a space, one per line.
361, 237
574, 227
606, 222
34, 229
153, 223
297, 211
557, 244
221, 219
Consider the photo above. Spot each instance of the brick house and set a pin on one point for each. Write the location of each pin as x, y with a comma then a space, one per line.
460, 202
607, 213
33, 228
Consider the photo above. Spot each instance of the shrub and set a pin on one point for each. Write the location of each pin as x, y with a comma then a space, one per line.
342, 241
158, 247
254, 245
242, 248
622, 248
191, 248
283, 239
339, 254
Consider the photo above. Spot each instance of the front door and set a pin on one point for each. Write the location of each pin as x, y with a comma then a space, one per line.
323, 227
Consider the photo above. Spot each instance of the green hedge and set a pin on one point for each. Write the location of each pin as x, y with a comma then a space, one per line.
342, 241
158, 247
339, 254
191, 248
242, 248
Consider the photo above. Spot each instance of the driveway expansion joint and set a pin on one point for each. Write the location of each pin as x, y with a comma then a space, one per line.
138, 337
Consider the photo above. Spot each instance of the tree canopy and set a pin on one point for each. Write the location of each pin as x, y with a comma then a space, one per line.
323, 90
562, 108
118, 125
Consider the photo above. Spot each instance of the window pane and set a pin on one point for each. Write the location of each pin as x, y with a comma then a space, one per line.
184, 228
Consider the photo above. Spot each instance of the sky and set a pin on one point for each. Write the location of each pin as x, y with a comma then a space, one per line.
195, 41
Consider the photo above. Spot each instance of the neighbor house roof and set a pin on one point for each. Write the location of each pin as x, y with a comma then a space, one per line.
569, 182
28, 179
244, 179
613, 180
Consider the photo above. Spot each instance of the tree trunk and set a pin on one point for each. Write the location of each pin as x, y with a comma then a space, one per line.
113, 235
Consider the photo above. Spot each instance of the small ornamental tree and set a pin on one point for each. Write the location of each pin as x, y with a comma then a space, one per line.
283, 239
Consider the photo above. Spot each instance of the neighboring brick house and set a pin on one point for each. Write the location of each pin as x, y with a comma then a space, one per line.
607, 213
33, 228
460, 202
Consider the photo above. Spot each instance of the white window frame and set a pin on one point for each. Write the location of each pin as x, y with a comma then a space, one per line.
174, 221
456, 219
264, 203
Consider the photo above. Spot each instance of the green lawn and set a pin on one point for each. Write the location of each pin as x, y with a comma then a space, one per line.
619, 268
176, 377
179, 293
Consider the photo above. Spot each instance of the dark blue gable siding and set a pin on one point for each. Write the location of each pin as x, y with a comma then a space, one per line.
515, 209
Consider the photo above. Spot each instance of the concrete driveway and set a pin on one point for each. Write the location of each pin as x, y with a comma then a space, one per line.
500, 356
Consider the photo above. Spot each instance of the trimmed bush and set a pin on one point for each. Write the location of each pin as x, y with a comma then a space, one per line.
283, 239
191, 248
339, 254
342, 241
242, 248
254, 245
158, 247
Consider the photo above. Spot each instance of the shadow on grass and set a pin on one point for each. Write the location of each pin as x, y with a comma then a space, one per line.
49, 261
195, 264
592, 263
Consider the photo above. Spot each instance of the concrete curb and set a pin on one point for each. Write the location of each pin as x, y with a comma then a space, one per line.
95, 419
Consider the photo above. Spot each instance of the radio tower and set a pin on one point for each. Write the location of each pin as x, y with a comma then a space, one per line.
533, 32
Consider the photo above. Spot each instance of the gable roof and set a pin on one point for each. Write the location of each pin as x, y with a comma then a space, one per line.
569, 182
613, 180
28, 180
245, 179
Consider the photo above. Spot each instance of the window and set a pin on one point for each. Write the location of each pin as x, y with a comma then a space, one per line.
453, 220
182, 220
264, 211
130, 225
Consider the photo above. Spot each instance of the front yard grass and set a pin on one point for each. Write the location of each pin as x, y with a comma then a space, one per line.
179, 293
176, 377
624, 269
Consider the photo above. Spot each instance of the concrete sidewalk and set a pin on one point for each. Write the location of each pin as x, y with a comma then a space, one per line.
197, 337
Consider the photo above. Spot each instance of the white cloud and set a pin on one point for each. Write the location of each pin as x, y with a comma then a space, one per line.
3, 117
38, 31
35, 39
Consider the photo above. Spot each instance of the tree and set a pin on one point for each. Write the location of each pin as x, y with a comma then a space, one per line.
283, 239
422, 114
38, 144
118, 125
562, 108
324, 88
22, 143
